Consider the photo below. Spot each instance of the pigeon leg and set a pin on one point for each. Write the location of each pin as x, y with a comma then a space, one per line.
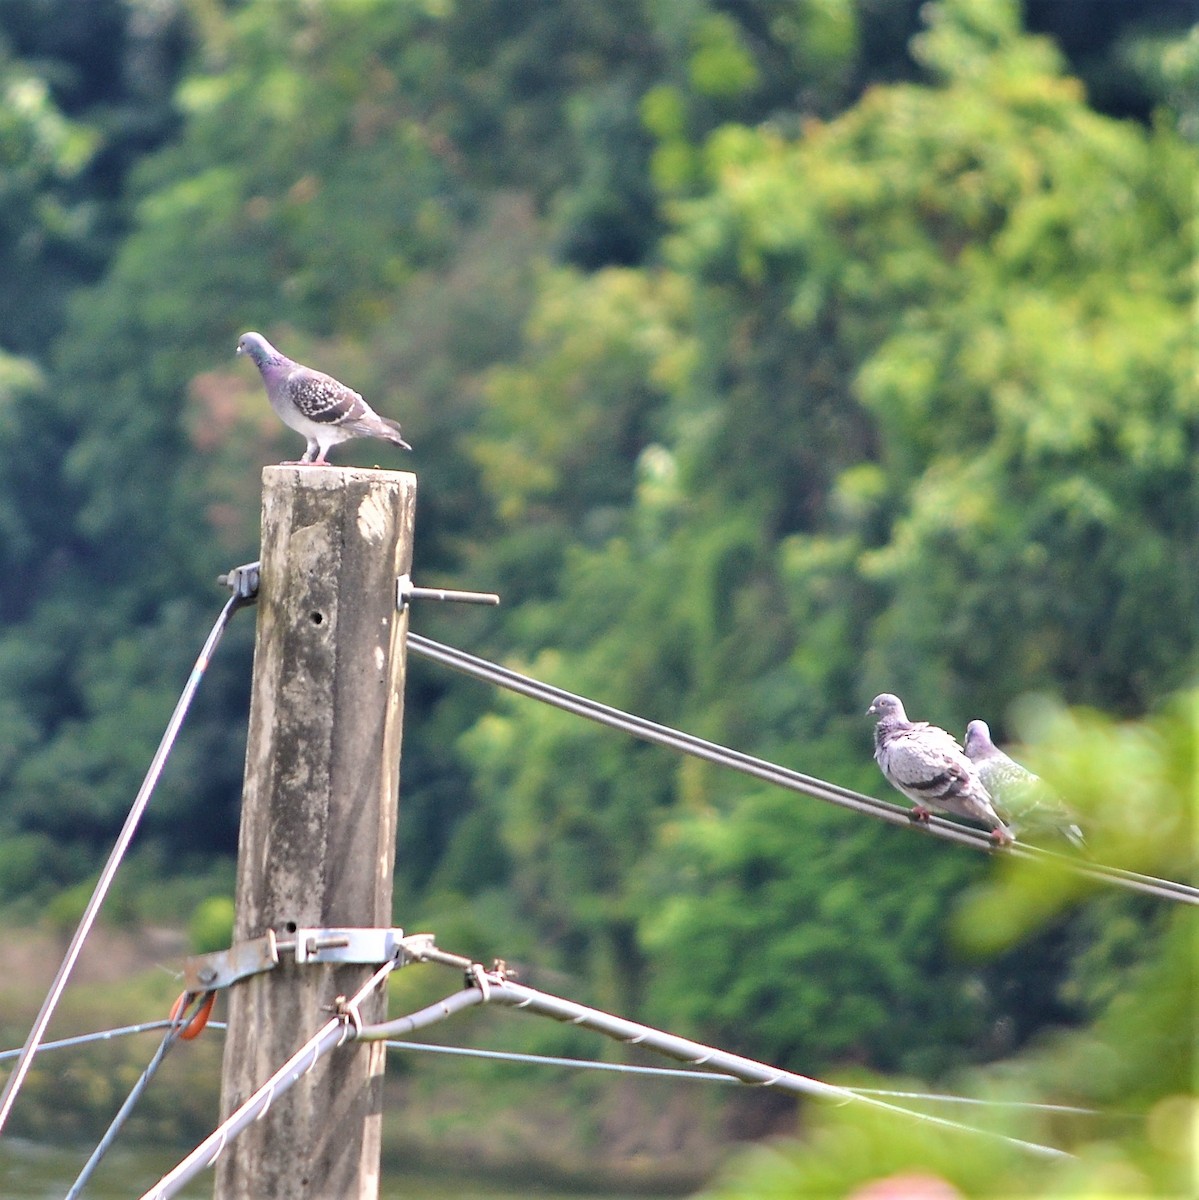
919, 814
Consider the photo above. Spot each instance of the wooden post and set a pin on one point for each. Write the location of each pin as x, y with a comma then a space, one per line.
318, 823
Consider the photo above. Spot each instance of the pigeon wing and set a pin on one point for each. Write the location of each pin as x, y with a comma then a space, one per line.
924, 761
1007, 780
1025, 799
322, 400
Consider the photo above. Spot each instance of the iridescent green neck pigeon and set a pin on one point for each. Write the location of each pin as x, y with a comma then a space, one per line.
316, 405
1024, 798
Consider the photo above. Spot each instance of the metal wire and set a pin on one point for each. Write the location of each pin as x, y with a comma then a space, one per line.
796, 781
175, 1028
492, 987
336, 1032
84, 1039
586, 1064
25, 1059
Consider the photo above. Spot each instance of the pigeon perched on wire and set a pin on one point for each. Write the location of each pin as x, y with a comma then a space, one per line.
928, 766
1023, 798
314, 404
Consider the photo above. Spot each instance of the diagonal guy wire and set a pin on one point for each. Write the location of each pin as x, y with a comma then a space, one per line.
334, 1033
175, 1027
25, 1061
758, 768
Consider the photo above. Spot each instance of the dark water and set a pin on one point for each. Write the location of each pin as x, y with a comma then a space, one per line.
34, 1172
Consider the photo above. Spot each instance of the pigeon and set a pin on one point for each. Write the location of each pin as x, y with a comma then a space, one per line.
928, 766
1022, 796
324, 411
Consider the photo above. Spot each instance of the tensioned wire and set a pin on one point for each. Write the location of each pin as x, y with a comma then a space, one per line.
495, 988
25, 1059
580, 1064
796, 781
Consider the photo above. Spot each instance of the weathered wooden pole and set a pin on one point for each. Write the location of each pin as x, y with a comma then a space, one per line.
318, 823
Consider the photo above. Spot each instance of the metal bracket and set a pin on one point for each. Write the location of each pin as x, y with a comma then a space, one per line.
407, 591
242, 581
207, 972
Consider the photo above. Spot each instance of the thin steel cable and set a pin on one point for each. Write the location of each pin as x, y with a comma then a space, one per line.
25, 1059
796, 781
525, 999
84, 1039
104, 1035
495, 988
174, 1029
336, 1032
586, 1064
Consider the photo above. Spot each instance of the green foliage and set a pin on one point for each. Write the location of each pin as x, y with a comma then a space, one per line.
42, 226
920, 423
211, 926
1138, 1058
760, 365
808, 938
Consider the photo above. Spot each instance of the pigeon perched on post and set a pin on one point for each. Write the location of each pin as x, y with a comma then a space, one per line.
928, 766
1021, 796
324, 411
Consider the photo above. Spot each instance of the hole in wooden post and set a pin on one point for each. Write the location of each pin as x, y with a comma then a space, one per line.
317, 618
290, 926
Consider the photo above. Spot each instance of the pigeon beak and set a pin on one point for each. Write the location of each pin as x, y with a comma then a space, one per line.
872, 711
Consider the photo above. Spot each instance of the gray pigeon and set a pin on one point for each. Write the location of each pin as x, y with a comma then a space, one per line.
1022, 796
928, 766
324, 411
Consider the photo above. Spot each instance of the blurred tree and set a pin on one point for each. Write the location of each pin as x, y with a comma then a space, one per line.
1135, 1064
43, 225
749, 405
85, 90
911, 413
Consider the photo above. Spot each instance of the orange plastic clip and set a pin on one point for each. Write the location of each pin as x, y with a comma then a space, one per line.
199, 1019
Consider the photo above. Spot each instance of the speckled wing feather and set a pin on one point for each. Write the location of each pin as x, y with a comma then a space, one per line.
322, 399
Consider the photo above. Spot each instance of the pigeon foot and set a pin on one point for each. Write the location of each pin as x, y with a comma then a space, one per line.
919, 815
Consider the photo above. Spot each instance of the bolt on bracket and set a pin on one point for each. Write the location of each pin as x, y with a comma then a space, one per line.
372, 947
407, 591
242, 581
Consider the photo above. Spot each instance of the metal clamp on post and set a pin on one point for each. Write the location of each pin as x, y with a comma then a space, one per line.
407, 591
242, 581
371, 947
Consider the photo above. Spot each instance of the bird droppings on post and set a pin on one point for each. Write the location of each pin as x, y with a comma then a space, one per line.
373, 518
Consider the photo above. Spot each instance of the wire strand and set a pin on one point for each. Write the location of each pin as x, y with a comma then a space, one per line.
585, 1064
796, 781
335, 1032
25, 1059
174, 1030
501, 990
